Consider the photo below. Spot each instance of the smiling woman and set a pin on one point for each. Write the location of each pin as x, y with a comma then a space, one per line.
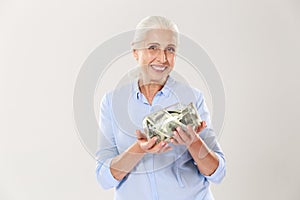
156, 58
154, 47
146, 169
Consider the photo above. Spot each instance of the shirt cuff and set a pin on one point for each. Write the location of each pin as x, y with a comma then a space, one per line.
219, 173
106, 179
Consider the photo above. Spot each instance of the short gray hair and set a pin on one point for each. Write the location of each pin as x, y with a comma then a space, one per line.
154, 22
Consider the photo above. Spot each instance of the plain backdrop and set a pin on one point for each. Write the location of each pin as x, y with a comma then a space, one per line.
254, 44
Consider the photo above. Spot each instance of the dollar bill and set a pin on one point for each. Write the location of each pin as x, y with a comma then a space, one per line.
163, 122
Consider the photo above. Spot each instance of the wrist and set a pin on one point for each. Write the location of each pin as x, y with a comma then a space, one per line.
196, 141
138, 148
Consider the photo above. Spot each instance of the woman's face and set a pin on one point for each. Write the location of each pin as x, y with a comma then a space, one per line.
156, 55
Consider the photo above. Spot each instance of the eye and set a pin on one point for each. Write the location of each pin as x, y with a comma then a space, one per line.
153, 47
171, 49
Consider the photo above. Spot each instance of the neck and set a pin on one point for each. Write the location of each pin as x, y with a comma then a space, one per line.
150, 89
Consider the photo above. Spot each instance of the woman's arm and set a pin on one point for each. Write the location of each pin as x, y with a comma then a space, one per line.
206, 160
122, 164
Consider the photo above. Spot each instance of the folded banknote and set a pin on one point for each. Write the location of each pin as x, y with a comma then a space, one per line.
162, 123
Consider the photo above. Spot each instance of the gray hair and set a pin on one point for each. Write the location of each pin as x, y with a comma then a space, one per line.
154, 22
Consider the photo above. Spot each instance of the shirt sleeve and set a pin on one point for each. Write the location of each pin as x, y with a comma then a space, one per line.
106, 146
209, 137
220, 172
104, 176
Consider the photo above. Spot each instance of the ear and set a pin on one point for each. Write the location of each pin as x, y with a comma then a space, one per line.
135, 54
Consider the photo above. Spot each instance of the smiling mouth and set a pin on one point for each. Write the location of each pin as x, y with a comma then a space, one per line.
158, 68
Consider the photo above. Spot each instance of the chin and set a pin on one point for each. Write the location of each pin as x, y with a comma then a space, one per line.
157, 79
150, 76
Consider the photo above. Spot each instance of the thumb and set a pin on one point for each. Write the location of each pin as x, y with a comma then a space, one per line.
139, 134
201, 126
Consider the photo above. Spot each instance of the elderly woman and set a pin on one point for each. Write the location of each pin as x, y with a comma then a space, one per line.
137, 168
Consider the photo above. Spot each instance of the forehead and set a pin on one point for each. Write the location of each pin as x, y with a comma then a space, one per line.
161, 36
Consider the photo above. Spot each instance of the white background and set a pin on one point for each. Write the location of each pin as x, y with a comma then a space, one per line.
255, 46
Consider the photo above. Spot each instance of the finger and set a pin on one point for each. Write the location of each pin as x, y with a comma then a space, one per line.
140, 135
183, 135
168, 148
174, 141
165, 148
192, 134
190, 130
151, 143
157, 147
202, 126
198, 129
161, 147
147, 145
177, 137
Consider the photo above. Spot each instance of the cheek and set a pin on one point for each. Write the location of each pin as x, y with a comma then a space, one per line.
146, 59
171, 61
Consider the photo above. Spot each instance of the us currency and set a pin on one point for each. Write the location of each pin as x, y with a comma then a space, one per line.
163, 122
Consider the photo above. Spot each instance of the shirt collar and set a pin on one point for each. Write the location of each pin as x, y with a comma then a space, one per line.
164, 91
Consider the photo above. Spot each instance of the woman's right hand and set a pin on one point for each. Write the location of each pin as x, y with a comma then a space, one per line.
150, 146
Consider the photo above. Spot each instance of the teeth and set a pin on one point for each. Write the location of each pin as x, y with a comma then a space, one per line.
158, 68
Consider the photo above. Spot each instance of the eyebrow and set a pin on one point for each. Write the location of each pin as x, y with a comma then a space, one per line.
151, 43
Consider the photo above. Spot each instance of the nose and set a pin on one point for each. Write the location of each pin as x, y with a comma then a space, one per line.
162, 57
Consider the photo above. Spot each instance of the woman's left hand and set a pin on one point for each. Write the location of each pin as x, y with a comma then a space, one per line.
187, 137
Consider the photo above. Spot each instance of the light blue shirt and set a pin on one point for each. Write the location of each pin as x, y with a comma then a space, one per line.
171, 175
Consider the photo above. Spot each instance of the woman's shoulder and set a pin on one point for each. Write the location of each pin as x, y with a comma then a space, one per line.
121, 91
182, 86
